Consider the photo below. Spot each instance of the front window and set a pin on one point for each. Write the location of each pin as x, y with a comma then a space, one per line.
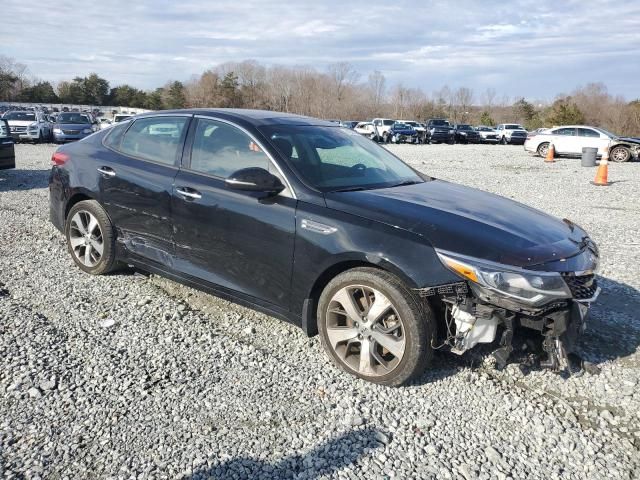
331, 159
73, 118
220, 149
20, 116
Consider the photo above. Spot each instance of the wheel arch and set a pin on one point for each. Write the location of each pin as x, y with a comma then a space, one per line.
310, 303
76, 198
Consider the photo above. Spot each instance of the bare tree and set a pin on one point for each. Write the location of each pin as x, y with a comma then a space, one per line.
377, 85
343, 75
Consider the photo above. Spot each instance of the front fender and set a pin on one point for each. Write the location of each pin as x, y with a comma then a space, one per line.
350, 239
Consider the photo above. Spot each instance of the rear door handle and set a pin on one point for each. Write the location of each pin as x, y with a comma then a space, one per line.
108, 171
188, 193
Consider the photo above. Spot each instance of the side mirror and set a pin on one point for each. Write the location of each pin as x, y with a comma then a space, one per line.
255, 179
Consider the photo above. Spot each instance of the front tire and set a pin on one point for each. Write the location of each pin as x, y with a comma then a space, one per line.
372, 326
504, 141
91, 237
620, 154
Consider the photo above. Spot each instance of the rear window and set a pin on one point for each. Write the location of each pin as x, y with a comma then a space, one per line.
157, 139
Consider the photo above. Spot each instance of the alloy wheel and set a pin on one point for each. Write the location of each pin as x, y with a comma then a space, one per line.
86, 238
365, 330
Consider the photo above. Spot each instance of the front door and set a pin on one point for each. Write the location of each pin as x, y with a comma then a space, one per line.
235, 239
136, 181
7, 152
592, 138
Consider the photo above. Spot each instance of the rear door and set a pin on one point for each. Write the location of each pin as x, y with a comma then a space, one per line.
236, 239
565, 140
7, 152
136, 180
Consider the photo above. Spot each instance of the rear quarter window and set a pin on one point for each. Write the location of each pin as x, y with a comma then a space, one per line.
114, 137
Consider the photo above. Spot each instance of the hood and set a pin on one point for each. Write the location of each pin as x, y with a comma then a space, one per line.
467, 221
404, 131
630, 139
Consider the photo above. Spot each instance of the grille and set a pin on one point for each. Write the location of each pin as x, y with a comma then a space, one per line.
582, 287
18, 129
71, 132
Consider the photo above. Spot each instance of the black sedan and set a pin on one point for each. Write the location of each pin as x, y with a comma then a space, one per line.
319, 226
466, 134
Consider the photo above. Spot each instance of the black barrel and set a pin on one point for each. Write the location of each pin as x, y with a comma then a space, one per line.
589, 156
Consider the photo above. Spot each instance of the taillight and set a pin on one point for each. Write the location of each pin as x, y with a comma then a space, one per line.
59, 158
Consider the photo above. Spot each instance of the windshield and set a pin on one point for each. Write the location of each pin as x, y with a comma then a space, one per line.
465, 127
439, 123
23, 116
387, 122
69, 118
484, 129
331, 159
401, 126
513, 127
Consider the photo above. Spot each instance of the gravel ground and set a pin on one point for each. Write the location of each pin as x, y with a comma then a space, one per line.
129, 376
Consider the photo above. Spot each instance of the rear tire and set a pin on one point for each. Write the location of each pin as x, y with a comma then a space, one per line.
380, 312
619, 154
91, 238
543, 148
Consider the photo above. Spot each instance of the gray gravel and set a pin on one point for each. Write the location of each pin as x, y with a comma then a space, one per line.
128, 376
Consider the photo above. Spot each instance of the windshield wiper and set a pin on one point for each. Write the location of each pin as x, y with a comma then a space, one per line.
406, 182
350, 189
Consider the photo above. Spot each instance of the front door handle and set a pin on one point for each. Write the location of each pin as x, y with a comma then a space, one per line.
188, 193
108, 171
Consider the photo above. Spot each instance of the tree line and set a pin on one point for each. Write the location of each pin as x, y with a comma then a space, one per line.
337, 92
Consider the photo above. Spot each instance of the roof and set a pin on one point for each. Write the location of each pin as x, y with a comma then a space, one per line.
253, 117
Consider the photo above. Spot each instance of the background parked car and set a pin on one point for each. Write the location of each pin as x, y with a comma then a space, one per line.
402, 133
418, 127
30, 126
511, 133
463, 133
439, 130
382, 126
7, 152
569, 140
104, 122
487, 134
366, 128
73, 126
349, 123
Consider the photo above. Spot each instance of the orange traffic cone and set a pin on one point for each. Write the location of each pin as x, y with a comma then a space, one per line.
603, 170
551, 153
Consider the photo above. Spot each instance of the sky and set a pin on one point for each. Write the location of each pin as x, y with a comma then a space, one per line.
536, 49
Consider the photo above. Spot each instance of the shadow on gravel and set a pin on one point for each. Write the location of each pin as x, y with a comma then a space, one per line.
322, 460
16, 180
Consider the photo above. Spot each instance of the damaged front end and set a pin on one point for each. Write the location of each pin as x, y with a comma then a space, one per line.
496, 299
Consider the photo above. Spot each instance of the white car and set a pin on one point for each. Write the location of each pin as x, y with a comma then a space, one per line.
32, 126
569, 140
365, 128
511, 133
104, 123
382, 126
487, 134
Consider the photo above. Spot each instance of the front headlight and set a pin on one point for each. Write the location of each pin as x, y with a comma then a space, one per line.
86, 130
463, 133
527, 286
57, 130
